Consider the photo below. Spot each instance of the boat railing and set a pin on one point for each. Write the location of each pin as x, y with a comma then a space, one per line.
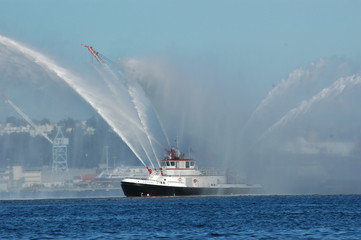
212, 172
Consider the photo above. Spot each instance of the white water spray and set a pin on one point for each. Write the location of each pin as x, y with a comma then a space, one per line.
142, 110
93, 97
295, 78
156, 125
335, 89
147, 115
120, 95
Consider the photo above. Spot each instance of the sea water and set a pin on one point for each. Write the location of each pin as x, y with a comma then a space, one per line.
235, 217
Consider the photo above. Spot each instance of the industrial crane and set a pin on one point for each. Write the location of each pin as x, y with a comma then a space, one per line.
27, 119
60, 160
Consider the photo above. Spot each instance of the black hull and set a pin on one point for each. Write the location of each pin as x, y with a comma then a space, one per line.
144, 190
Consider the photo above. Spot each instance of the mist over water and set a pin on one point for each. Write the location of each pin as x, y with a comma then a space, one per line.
314, 142
303, 137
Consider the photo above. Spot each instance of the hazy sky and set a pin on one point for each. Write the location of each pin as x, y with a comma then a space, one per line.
266, 39
278, 81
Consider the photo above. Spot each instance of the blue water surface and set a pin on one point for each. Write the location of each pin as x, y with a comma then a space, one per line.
236, 217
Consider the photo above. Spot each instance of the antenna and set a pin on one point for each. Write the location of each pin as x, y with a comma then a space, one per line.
94, 53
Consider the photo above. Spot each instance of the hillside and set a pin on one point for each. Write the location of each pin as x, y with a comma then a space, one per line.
20, 145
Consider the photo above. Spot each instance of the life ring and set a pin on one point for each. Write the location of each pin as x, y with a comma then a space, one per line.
195, 180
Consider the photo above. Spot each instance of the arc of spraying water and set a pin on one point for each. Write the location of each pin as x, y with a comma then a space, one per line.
133, 93
138, 97
335, 89
113, 84
151, 107
69, 78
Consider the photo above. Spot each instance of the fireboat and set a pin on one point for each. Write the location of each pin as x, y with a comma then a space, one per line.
180, 176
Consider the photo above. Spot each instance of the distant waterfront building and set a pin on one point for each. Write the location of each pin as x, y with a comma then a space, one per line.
32, 177
9, 128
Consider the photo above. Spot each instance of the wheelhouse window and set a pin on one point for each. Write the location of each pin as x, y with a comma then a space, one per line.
172, 163
187, 164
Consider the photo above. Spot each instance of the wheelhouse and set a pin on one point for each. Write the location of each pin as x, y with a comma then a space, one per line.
177, 160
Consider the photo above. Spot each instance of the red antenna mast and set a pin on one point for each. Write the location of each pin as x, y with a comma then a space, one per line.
94, 53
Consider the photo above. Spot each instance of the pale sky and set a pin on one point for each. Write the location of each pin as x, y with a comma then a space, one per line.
267, 38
